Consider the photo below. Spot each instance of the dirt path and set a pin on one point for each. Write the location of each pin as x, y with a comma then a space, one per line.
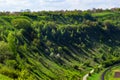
103, 74
87, 75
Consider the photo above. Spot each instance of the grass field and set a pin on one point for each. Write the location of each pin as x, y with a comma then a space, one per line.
2, 77
101, 14
94, 76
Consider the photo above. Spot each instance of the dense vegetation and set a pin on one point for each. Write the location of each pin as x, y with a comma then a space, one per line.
58, 45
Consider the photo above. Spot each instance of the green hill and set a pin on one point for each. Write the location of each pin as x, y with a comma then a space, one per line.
57, 45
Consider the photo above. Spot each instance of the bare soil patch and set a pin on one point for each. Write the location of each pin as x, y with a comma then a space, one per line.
117, 74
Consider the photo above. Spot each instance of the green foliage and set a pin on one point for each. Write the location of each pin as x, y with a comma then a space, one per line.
21, 23
11, 63
3, 77
5, 52
12, 41
9, 72
52, 45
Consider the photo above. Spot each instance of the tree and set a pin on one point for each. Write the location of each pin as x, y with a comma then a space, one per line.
88, 16
21, 24
5, 52
12, 41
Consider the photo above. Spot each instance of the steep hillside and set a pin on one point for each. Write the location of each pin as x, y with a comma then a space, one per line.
59, 45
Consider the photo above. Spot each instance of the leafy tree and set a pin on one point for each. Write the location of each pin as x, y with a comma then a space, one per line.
12, 41
5, 52
87, 16
21, 24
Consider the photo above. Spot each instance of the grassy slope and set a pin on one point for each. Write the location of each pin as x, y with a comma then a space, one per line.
47, 68
3, 77
102, 14
108, 76
96, 75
